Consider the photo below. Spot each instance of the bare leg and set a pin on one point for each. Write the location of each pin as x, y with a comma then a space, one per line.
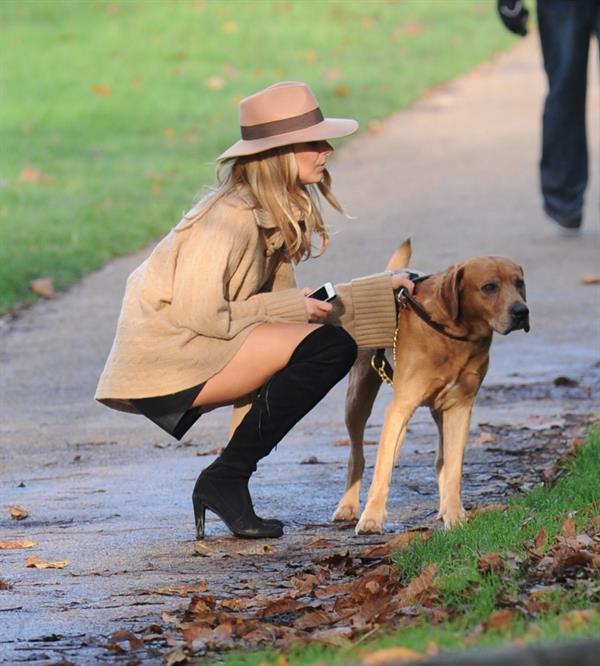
265, 351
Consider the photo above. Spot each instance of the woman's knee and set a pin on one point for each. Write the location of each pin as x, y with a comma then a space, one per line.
346, 346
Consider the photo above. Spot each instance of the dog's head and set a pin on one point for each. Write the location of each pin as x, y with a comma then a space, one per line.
487, 289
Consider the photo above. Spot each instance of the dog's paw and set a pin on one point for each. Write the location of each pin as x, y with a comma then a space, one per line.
453, 518
345, 513
369, 526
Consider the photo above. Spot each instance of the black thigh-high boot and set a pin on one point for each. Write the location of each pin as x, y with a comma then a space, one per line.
316, 365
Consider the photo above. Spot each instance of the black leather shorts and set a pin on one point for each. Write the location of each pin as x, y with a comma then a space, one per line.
174, 412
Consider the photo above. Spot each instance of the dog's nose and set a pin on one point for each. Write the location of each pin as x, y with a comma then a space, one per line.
520, 316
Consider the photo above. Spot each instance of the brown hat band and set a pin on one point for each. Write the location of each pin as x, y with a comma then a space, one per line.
264, 130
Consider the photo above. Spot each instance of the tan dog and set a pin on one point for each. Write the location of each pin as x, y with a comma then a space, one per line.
470, 300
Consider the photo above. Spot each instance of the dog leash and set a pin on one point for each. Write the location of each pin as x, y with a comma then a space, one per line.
379, 361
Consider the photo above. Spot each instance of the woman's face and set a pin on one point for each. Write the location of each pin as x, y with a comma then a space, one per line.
311, 159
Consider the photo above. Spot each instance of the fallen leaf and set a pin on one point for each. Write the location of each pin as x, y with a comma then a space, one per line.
489, 563
102, 89
231, 71
314, 619
5, 585
214, 82
419, 584
376, 126
319, 542
332, 74
180, 590
543, 423
393, 655
487, 508
575, 619
229, 27
568, 529
36, 562
499, 620
338, 636
485, 438
135, 82
346, 442
311, 56
413, 28
12, 545
33, 175
169, 133
311, 460
590, 279
367, 22
122, 635
254, 549
196, 633
18, 512
178, 656
540, 540
212, 452
43, 287
342, 91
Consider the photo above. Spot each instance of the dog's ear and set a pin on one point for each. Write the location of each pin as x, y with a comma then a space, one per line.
401, 256
450, 291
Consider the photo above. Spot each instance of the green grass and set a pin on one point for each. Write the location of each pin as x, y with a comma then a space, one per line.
107, 104
470, 596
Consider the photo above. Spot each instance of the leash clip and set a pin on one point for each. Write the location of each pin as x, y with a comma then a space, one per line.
401, 299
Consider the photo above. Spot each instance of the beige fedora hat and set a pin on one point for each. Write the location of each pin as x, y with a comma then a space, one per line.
282, 114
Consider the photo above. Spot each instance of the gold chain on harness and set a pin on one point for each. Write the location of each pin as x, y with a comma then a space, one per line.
380, 370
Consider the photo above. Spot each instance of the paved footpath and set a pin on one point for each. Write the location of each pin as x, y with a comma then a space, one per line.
111, 494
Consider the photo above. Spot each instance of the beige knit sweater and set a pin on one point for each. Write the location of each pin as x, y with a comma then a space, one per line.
189, 307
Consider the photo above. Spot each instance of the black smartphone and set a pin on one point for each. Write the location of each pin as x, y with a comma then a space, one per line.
325, 292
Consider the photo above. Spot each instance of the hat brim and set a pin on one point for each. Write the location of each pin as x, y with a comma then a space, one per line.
330, 128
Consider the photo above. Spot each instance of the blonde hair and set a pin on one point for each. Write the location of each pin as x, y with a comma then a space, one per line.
272, 178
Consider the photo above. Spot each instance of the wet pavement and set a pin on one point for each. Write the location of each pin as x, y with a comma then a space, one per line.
110, 493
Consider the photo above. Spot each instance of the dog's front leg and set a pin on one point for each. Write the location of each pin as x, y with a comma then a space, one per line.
392, 436
454, 433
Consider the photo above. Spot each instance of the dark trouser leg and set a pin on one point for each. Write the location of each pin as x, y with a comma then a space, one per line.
565, 29
317, 364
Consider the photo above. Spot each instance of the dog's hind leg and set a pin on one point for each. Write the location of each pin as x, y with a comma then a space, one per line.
363, 385
438, 417
449, 464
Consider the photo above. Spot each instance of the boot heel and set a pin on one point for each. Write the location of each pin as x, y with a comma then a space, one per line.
199, 515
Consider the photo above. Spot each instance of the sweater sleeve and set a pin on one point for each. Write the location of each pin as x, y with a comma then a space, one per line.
367, 310
212, 253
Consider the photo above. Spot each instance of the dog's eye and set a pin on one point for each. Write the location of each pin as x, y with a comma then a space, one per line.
519, 284
489, 288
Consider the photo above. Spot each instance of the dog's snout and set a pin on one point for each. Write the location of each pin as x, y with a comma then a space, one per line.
520, 316
519, 310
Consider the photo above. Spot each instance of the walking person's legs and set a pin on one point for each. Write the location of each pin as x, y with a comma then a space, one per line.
565, 29
321, 356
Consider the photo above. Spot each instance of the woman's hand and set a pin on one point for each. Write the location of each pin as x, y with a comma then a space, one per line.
317, 310
400, 279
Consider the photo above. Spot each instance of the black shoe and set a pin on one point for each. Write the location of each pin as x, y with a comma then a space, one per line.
230, 500
567, 225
